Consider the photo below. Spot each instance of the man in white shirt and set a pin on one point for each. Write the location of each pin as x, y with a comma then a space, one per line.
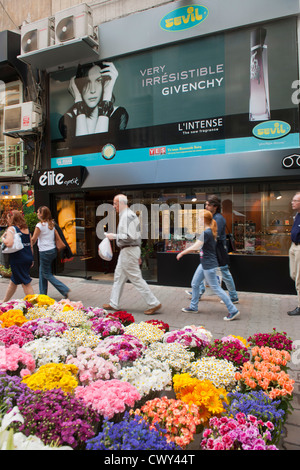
128, 239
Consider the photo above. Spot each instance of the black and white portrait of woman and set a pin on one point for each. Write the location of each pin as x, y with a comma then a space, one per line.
94, 109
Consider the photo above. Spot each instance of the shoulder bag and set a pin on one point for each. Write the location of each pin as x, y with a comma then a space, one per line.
60, 245
17, 244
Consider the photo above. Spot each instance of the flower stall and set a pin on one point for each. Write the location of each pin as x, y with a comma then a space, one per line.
74, 377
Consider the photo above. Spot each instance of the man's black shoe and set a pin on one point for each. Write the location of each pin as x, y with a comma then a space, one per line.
296, 311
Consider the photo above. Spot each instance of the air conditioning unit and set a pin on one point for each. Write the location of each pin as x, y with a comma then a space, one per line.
37, 35
73, 23
22, 118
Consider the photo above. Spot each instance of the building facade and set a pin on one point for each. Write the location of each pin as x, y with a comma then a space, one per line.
192, 99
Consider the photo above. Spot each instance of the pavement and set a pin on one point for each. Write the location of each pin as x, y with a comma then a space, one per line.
259, 313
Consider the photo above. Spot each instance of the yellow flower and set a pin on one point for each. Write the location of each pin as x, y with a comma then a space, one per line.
50, 376
12, 317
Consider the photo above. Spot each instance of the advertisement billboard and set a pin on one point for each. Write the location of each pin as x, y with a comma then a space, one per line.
218, 94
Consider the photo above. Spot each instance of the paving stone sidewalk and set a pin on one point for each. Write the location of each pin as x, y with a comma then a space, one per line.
258, 313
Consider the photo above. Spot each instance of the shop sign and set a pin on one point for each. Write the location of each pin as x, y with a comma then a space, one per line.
60, 179
270, 130
184, 18
291, 161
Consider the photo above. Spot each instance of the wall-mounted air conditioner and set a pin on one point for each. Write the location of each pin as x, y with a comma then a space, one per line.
73, 23
37, 35
22, 118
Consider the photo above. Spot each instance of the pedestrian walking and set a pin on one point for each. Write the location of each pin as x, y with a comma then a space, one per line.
294, 251
128, 239
207, 269
44, 234
21, 261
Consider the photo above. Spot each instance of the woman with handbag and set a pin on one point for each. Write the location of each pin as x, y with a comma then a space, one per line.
46, 236
22, 260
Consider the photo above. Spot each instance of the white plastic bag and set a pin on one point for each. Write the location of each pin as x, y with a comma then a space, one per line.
104, 250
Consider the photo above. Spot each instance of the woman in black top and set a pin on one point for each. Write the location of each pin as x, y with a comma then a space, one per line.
207, 268
94, 110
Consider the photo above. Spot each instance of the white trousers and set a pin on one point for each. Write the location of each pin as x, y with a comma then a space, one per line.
128, 269
294, 258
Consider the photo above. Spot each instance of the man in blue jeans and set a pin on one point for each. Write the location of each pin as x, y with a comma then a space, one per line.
213, 204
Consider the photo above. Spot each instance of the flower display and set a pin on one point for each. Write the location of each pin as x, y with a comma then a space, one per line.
18, 304
200, 331
131, 433
145, 332
56, 416
220, 372
274, 340
178, 418
11, 390
174, 355
16, 335
239, 433
45, 350
12, 317
16, 361
160, 324
147, 374
34, 312
108, 397
39, 299
51, 376
122, 316
106, 327
81, 337
126, 347
72, 317
209, 399
46, 327
188, 338
231, 349
93, 365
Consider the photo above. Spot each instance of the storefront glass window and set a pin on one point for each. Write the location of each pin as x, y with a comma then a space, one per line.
11, 149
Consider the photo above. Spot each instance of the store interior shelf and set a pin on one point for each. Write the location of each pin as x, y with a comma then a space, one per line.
84, 49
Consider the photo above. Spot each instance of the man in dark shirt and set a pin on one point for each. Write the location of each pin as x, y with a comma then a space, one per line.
294, 253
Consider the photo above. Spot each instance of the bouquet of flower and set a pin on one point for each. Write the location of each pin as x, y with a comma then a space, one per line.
220, 372
178, 418
35, 312
239, 339
67, 304
72, 317
230, 349
52, 376
160, 324
239, 433
12, 317
17, 304
46, 327
39, 299
16, 335
129, 434
126, 347
106, 327
94, 312
56, 416
209, 399
258, 404
108, 397
16, 361
266, 373
81, 337
274, 340
45, 350
11, 390
187, 338
93, 366
176, 356
147, 375
145, 332
200, 331
122, 316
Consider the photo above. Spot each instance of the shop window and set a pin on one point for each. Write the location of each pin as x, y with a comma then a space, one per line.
11, 149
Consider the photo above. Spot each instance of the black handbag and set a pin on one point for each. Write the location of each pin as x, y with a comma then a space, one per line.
230, 242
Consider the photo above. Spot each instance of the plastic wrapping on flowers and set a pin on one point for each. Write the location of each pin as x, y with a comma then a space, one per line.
82, 378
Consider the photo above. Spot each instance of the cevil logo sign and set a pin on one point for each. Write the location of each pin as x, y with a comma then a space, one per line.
184, 18
270, 130
291, 161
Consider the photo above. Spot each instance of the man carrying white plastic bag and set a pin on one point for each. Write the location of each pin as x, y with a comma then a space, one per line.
104, 250
128, 239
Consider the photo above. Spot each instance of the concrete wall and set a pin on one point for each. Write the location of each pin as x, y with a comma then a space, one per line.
14, 12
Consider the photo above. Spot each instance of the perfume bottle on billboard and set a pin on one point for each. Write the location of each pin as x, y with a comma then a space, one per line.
259, 108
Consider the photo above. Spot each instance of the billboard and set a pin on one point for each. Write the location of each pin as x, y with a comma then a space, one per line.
218, 94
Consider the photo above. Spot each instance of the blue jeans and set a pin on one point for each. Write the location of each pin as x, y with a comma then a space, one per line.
45, 273
229, 283
210, 275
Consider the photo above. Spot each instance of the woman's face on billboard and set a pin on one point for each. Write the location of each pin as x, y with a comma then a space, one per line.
92, 90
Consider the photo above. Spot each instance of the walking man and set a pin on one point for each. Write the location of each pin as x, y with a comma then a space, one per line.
128, 238
294, 252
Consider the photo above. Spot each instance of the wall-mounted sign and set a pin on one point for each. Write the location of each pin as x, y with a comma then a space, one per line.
60, 179
291, 161
184, 18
